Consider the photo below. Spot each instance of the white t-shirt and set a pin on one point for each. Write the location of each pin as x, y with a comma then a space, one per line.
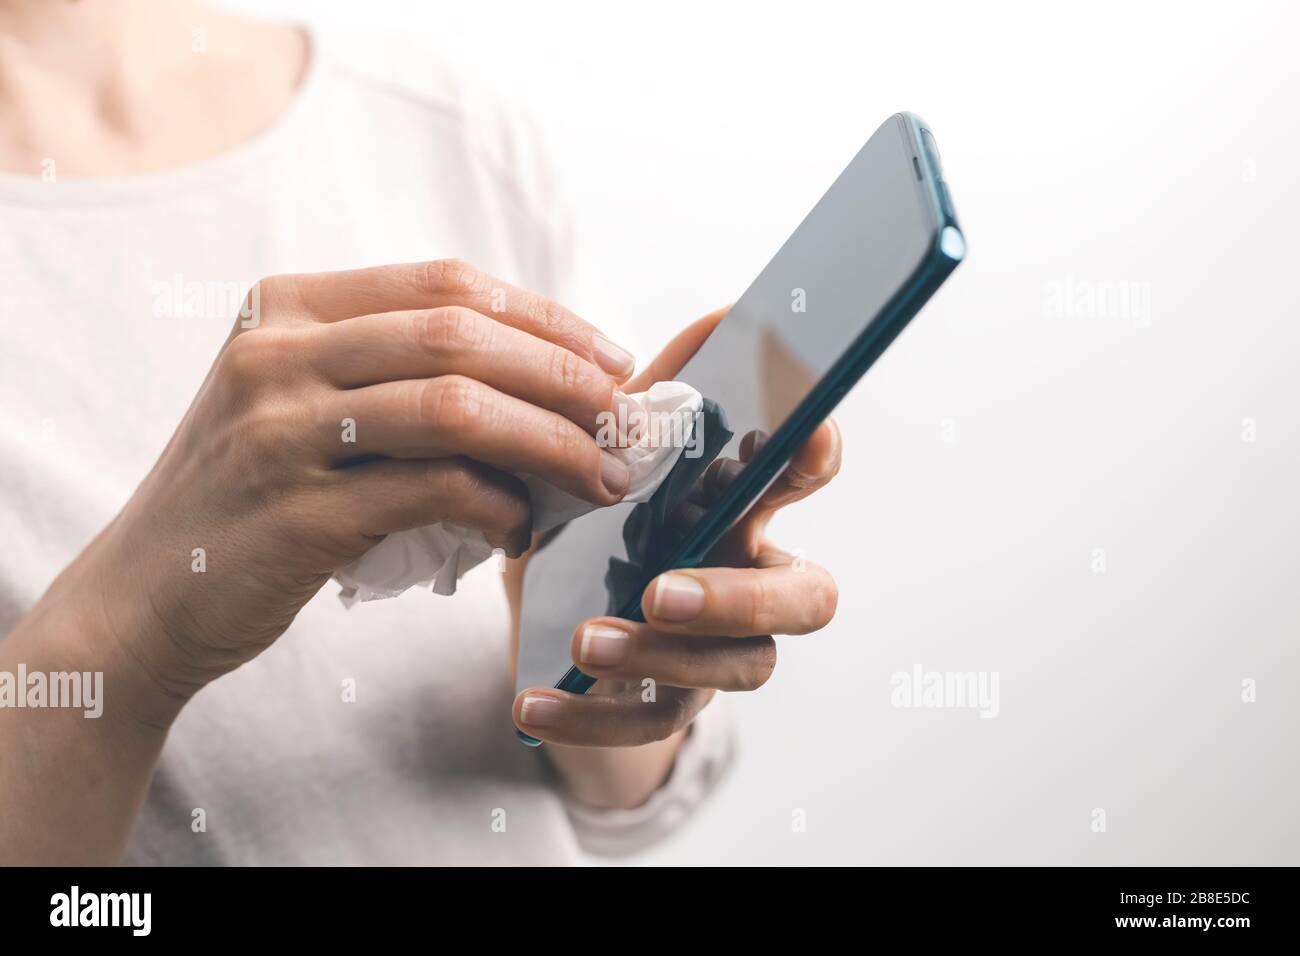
116, 294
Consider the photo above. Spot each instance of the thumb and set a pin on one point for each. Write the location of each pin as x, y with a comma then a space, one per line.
676, 353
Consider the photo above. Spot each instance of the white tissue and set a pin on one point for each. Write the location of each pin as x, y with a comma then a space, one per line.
439, 554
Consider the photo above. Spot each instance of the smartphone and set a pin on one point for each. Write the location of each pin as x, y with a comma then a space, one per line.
862, 263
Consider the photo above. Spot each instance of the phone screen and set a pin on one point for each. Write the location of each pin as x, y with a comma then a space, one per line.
793, 332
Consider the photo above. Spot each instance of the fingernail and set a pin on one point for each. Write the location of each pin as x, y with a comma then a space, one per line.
603, 646
678, 597
628, 414
614, 475
612, 358
539, 711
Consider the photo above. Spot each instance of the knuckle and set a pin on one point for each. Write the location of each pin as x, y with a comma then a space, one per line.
256, 357
566, 444
504, 509
567, 370
741, 664
271, 294
450, 330
452, 403
763, 600
516, 511
551, 319
245, 361
449, 478
449, 276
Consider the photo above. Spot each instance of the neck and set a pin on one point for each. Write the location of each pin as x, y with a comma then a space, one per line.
97, 46
108, 87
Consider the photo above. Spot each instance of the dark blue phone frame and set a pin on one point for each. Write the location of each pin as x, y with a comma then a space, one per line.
947, 250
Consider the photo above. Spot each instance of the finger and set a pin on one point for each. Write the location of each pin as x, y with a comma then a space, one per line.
599, 720
812, 467
815, 463
751, 443
678, 352
336, 296
428, 343
718, 477
614, 649
383, 497
741, 602
454, 415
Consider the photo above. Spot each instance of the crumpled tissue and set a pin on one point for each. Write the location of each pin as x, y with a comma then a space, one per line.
439, 554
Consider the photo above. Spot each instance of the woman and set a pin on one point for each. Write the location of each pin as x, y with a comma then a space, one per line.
157, 159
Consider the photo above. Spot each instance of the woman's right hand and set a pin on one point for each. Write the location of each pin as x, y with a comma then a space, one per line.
343, 407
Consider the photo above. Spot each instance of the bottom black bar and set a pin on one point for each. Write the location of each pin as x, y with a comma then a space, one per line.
1167, 905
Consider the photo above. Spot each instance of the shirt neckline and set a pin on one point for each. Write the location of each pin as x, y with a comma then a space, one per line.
94, 190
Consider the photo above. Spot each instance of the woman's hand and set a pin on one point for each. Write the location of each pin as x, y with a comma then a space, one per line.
357, 404
343, 407
706, 629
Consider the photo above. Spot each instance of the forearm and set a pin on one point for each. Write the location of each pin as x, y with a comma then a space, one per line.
72, 785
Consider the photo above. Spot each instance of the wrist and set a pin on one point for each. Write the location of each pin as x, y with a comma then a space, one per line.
615, 777
94, 623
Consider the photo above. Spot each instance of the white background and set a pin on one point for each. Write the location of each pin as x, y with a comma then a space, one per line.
1085, 146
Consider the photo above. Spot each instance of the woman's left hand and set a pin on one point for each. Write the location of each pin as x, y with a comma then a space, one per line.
706, 629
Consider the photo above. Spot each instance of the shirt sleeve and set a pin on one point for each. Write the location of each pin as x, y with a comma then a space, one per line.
705, 758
